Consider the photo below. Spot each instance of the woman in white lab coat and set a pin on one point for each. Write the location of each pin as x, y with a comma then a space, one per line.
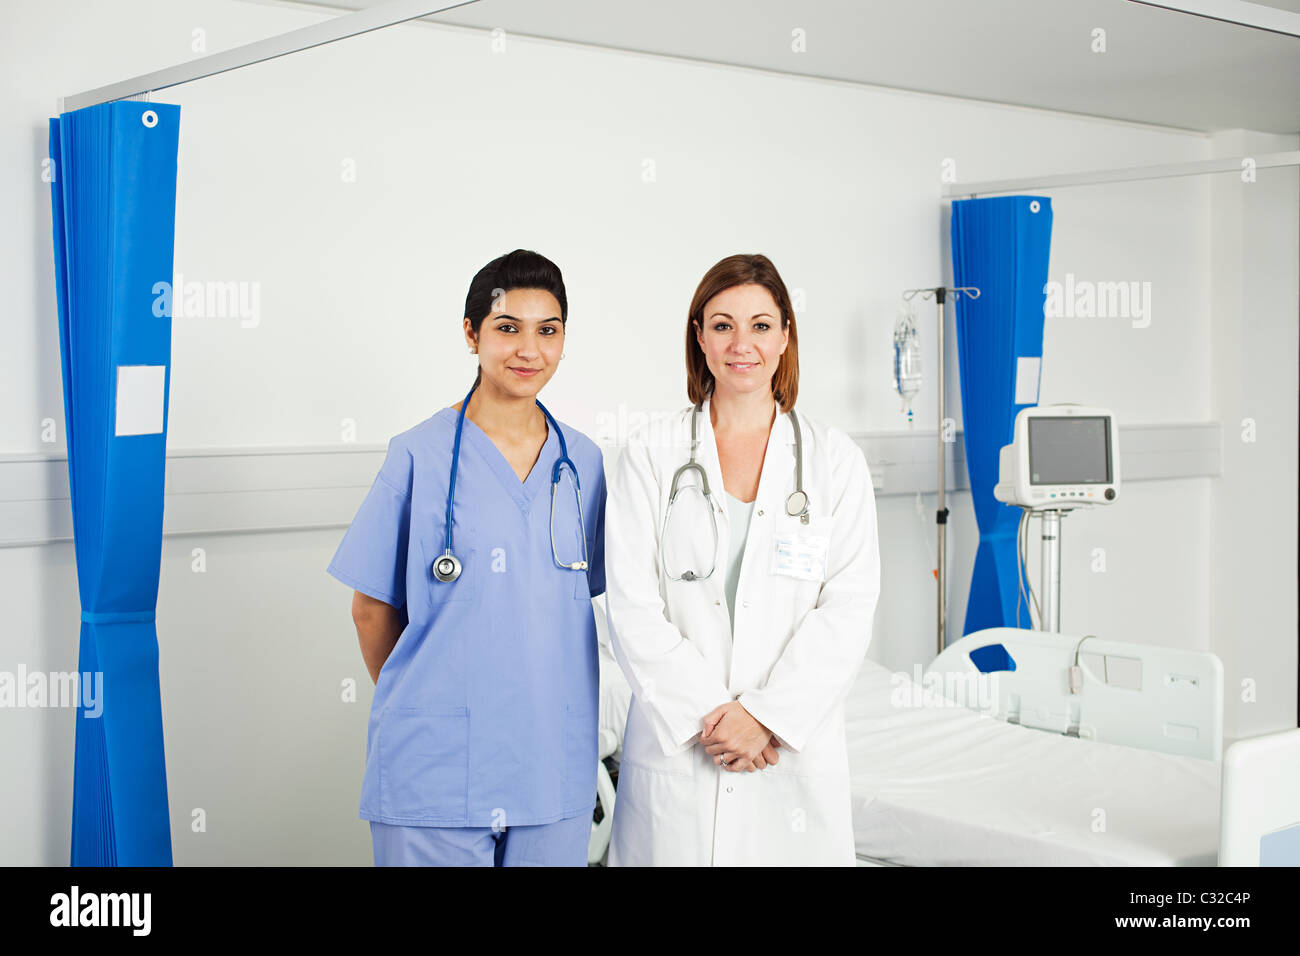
735, 751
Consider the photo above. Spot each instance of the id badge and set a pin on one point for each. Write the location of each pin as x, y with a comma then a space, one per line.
800, 556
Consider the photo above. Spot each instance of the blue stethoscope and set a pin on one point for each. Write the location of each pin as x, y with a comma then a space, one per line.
446, 567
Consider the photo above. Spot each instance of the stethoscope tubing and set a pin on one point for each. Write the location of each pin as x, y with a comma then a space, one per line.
796, 505
560, 463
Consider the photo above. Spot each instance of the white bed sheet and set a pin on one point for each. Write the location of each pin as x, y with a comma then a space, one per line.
945, 786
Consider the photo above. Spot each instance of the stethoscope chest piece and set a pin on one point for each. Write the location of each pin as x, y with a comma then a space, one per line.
446, 568
796, 506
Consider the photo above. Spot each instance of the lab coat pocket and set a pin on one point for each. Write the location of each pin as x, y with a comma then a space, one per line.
798, 565
579, 758
802, 551
424, 763
465, 587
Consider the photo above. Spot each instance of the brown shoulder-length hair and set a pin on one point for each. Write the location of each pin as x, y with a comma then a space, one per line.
729, 273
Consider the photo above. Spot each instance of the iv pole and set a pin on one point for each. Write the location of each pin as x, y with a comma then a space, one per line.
941, 511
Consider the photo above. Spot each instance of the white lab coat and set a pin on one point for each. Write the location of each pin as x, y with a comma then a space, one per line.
798, 647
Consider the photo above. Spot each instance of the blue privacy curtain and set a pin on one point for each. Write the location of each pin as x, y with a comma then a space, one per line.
113, 201
1001, 247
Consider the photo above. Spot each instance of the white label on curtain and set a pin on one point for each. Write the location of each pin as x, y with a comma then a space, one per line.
1027, 380
140, 399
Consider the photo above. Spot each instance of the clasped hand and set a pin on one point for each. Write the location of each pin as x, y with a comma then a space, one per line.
731, 730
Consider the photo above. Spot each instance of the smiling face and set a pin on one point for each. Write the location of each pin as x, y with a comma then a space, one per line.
742, 338
519, 343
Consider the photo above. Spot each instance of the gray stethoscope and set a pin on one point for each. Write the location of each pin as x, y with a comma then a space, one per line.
796, 505
446, 567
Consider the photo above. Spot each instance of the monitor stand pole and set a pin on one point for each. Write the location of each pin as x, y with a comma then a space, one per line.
1051, 578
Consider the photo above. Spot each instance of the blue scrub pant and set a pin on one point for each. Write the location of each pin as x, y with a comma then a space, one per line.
563, 843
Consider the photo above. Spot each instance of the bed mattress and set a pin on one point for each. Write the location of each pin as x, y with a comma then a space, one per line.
935, 784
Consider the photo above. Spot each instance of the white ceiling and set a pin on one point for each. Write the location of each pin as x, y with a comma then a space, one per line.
1160, 67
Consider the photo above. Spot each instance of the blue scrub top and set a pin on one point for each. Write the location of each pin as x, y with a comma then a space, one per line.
485, 712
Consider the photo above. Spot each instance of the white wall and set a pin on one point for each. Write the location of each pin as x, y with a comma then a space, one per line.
1252, 520
462, 154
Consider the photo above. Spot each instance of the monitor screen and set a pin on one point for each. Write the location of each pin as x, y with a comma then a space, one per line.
1069, 451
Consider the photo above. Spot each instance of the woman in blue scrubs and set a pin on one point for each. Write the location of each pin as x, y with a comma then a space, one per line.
482, 741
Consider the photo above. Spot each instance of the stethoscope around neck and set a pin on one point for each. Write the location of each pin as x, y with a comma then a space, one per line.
447, 567
796, 504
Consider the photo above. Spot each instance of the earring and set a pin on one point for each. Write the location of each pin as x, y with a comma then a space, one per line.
562, 354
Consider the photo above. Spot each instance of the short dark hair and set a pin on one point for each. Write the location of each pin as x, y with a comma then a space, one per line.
521, 269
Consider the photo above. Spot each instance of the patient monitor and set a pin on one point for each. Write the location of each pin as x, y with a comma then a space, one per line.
1061, 457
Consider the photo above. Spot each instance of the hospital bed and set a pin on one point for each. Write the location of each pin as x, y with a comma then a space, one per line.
1019, 771
939, 782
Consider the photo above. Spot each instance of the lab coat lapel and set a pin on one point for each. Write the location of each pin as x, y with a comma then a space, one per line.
707, 453
778, 467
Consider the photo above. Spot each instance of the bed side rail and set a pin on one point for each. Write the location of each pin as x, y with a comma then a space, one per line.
1140, 695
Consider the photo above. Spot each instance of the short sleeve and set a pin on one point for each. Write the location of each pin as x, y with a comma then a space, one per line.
372, 556
596, 567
